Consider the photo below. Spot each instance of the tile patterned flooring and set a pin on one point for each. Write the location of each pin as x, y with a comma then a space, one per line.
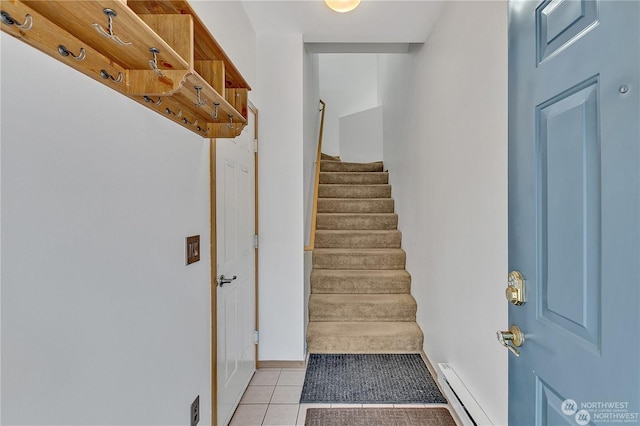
273, 396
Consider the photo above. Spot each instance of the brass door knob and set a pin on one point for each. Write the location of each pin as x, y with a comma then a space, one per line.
514, 335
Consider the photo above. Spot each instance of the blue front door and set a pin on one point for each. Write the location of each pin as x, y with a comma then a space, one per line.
574, 210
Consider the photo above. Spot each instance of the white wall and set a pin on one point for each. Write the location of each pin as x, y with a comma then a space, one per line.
446, 148
348, 84
280, 81
361, 136
102, 322
311, 128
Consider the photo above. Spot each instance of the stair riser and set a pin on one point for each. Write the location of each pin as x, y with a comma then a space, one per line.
338, 205
335, 166
357, 222
359, 261
360, 312
366, 284
328, 239
339, 344
354, 191
354, 178
365, 345
364, 337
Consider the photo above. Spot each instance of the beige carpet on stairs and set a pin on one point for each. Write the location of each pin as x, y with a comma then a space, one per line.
360, 291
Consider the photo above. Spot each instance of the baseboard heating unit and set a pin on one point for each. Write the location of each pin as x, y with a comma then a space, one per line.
462, 402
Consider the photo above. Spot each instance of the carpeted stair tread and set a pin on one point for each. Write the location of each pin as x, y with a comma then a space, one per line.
380, 281
354, 178
364, 337
324, 258
358, 239
354, 191
324, 156
362, 307
340, 166
356, 205
343, 221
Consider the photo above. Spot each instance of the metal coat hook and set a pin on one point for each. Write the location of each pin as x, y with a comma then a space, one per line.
230, 125
199, 101
109, 31
153, 63
7, 19
194, 123
65, 52
148, 100
215, 110
169, 112
104, 74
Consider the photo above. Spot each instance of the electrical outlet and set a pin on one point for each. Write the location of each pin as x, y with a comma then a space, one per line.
195, 411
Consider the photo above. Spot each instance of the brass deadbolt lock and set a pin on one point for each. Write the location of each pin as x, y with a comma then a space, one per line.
515, 288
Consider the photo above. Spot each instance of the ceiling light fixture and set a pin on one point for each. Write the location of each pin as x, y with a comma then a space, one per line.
342, 6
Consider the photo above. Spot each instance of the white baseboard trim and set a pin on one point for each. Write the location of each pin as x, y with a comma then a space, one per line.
282, 364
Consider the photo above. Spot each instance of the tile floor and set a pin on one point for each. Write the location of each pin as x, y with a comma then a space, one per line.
273, 396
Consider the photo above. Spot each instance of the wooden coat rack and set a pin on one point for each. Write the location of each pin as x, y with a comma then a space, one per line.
156, 52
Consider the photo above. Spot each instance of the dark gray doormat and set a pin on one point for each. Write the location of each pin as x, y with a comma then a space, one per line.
379, 417
369, 379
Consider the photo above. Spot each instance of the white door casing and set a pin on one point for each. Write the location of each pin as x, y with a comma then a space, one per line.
236, 302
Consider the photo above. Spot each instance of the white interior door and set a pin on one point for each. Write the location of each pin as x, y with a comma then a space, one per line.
236, 304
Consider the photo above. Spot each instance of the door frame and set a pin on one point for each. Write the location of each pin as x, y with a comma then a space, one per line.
214, 257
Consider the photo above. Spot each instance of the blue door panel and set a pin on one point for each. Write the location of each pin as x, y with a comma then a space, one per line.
568, 167
560, 23
549, 406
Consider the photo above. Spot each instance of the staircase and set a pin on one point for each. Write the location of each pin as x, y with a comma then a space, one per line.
360, 291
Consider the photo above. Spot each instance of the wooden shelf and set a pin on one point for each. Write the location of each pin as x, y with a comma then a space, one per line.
79, 17
156, 52
205, 47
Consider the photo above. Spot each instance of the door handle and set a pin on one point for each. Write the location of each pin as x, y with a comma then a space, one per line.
514, 335
222, 280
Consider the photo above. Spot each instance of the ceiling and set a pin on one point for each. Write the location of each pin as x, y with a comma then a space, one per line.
375, 26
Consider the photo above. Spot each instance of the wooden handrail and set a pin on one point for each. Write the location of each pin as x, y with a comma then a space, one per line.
314, 211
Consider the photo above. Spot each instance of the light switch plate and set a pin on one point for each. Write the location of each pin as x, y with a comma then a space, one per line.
193, 249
